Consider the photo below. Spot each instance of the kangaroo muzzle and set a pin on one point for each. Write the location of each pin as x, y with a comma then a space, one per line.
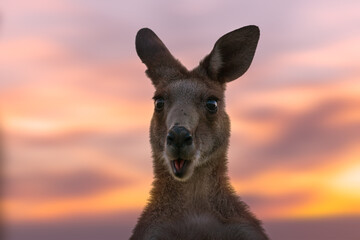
180, 149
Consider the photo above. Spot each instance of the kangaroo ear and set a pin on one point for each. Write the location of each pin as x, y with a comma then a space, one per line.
157, 58
232, 54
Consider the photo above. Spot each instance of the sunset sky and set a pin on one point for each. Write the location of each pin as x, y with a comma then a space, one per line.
75, 109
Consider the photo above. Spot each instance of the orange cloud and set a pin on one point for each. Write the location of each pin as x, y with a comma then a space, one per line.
121, 199
327, 190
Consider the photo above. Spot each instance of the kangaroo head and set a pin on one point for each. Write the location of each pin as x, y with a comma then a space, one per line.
190, 128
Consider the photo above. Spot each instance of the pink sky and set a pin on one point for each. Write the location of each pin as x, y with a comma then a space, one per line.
76, 108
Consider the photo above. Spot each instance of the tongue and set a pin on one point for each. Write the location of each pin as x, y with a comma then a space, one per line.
179, 163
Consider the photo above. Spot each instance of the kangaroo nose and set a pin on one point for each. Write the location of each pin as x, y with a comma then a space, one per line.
179, 137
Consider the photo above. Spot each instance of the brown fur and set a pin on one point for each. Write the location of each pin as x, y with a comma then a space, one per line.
201, 204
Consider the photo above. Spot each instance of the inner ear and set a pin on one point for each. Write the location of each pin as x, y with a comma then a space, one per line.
155, 55
232, 54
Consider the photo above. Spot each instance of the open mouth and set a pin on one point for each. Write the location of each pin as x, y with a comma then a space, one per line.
179, 167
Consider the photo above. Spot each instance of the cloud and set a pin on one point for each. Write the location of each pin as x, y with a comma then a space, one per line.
267, 206
302, 138
126, 151
113, 226
47, 185
314, 229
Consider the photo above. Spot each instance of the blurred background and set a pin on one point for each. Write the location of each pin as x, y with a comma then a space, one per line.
75, 109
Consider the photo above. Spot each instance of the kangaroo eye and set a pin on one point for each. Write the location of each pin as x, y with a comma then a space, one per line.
159, 104
211, 105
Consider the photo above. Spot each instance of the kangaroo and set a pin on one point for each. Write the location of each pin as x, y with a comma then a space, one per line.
191, 196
